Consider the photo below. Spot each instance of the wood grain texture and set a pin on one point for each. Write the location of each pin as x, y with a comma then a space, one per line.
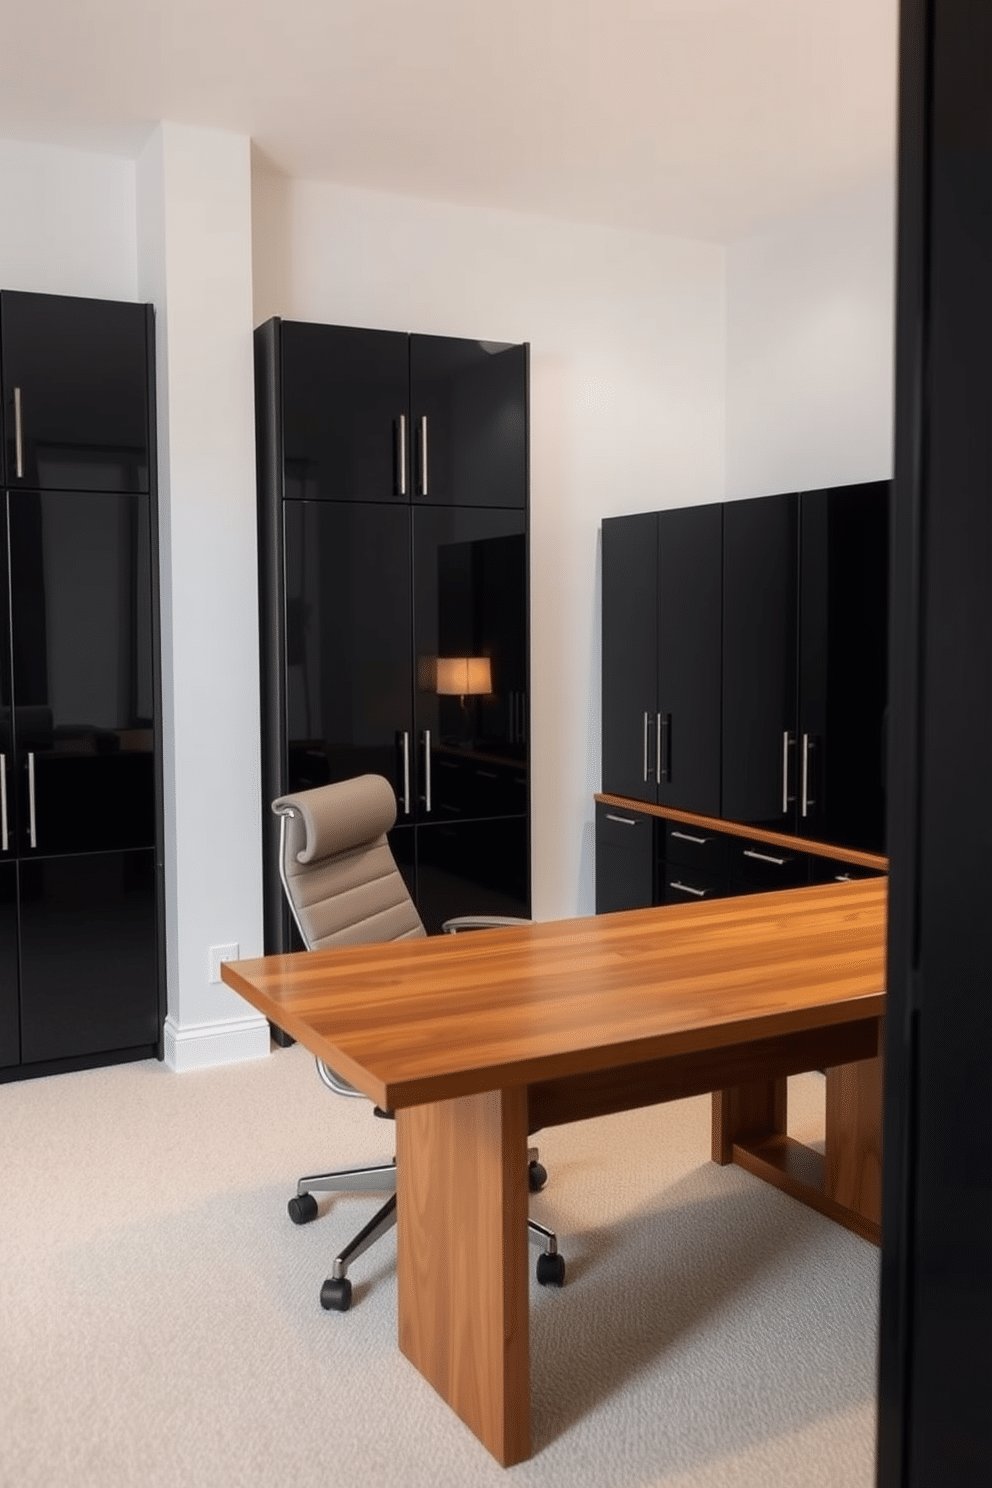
758, 834
854, 1136
462, 1260
419, 1021
800, 1172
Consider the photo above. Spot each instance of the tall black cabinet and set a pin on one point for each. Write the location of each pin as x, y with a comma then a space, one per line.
80, 797
393, 585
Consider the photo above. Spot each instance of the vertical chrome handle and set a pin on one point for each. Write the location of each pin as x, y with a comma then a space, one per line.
657, 748
406, 772
805, 773
645, 746
427, 769
31, 822
3, 802
18, 436
423, 454
401, 454
785, 772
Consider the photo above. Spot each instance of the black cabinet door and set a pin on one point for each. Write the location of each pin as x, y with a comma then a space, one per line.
88, 955
75, 378
473, 867
82, 670
469, 662
759, 661
348, 645
630, 655
625, 859
468, 403
345, 413
843, 633
687, 719
10, 1021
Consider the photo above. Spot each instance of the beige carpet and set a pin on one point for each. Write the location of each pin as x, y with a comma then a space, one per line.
160, 1323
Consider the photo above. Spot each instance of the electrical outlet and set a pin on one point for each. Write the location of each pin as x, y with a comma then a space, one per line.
217, 954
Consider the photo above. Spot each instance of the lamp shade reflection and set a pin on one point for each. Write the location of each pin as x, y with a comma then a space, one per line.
464, 676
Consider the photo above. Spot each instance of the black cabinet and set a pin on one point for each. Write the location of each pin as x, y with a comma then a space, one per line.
393, 592
81, 977
625, 858
75, 392
385, 416
661, 657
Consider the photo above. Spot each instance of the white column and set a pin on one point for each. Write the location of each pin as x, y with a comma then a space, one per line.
194, 264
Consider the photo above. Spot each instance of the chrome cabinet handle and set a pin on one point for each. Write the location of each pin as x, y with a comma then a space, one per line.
423, 454
645, 747
406, 772
31, 821
663, 728
427, 769
765, 858
18, 435
3, 802
805, 773
657, 748
786, 740
688, 837
401, 453
625, 821
687, 889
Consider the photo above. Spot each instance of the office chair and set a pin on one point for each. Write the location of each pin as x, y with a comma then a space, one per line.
344, 888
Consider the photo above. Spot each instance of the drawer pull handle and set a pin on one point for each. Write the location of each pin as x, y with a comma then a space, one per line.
625, 821
765, 858
688, 837
843, 878
687, 888
487, 774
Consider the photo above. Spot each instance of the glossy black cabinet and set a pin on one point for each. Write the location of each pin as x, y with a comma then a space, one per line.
80, 734
625, 858
384, 416
662, 604
393, 598
75, 392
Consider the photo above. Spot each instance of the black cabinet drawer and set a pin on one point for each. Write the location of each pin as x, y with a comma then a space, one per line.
695, 847
830, 870
625, 859
760, 865
682, 885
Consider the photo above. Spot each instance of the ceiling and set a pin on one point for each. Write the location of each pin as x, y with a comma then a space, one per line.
700, 118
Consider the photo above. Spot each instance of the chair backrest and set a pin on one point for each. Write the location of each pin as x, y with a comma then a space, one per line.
336, 866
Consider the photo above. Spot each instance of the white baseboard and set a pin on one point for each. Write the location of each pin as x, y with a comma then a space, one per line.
200, 1045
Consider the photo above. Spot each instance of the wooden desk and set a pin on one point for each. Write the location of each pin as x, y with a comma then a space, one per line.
475, 1039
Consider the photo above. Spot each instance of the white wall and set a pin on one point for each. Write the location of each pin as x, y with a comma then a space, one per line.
66, 222
627, 411
194, 260
810, 348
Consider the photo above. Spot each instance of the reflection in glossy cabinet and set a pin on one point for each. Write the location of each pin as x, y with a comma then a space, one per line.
10, 1022
75, 378
468, 406
473, 867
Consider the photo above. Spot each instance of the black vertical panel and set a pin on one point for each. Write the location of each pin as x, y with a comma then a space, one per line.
843, 663
630, 655
473, 867
345, 413
82, 670
476, 765
81, 368
347, 642
89, 980
687, 736
935, 1382
468, 401
759, 661
10, 1020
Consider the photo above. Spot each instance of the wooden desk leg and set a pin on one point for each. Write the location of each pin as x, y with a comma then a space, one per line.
747, 1112
462, 1260
853, 1144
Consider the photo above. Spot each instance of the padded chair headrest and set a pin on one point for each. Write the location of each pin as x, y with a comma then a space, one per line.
347, 814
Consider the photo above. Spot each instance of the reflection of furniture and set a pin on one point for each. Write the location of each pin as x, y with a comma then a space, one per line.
345, 889
473, 1040
392, 495
81, 955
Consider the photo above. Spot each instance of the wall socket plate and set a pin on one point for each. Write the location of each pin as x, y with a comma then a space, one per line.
220, 953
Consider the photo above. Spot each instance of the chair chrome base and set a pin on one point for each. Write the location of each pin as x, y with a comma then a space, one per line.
335, 1294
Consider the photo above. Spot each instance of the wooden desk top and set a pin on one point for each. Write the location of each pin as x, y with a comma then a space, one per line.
414, 1022
420, 1021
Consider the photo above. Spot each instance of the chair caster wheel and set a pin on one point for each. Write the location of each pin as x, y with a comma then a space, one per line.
551, 1270
335, 1294
537, 1176
302, 1209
